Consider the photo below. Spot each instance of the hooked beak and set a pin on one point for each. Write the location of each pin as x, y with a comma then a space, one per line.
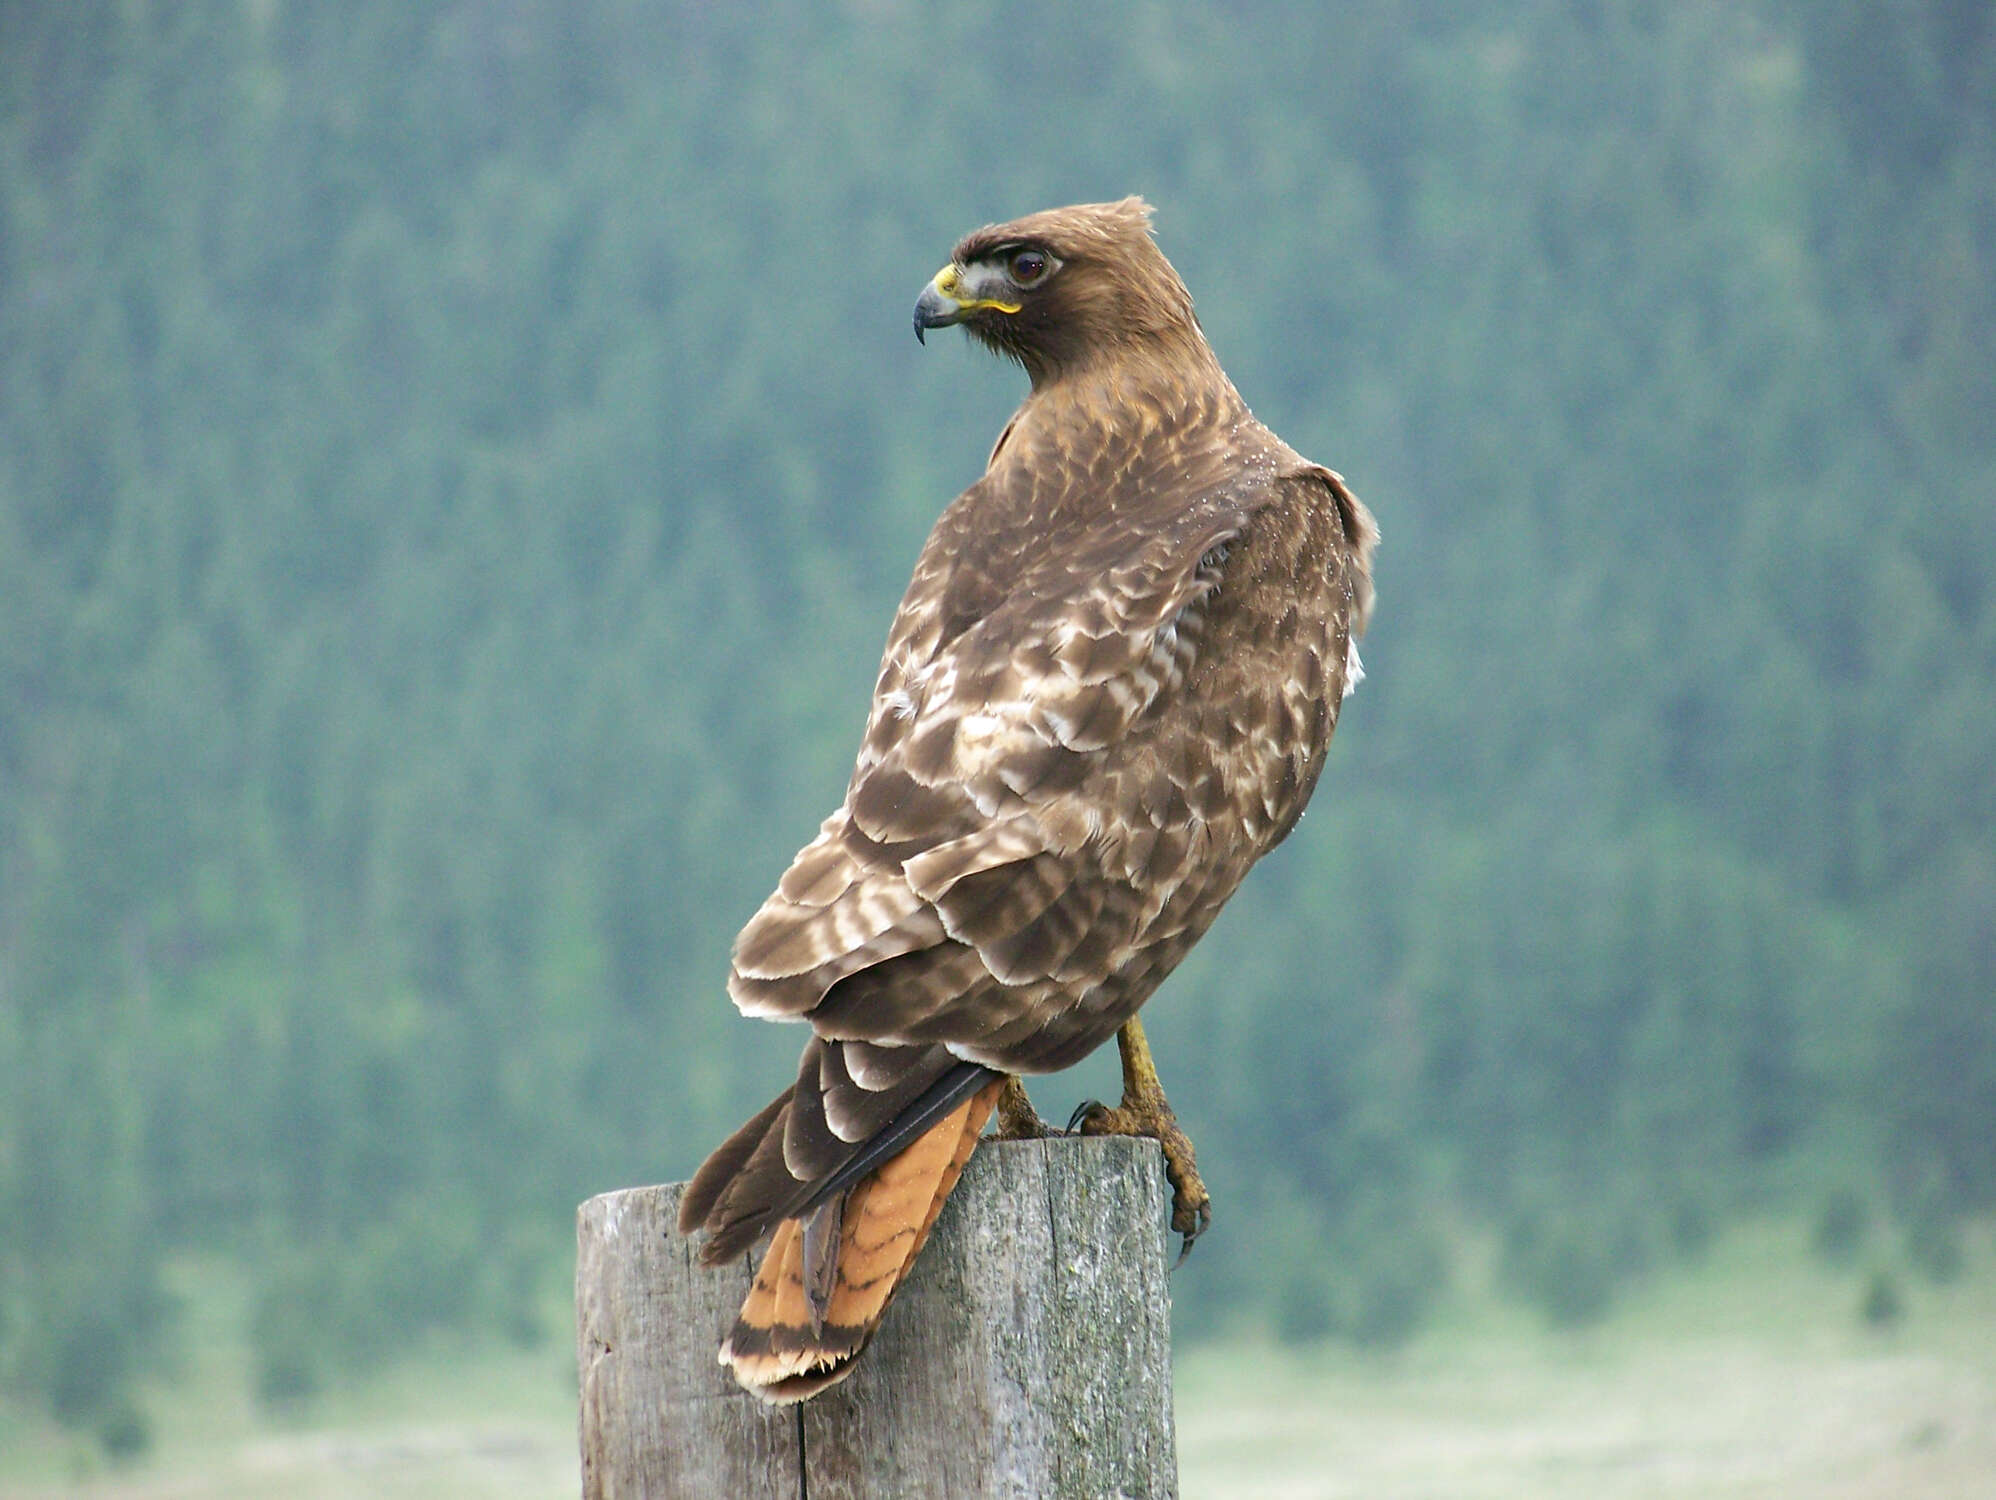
934, 310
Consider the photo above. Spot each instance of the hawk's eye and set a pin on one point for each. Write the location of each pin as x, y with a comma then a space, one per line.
1028, 266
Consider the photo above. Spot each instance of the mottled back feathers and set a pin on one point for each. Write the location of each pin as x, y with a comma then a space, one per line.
1108, 690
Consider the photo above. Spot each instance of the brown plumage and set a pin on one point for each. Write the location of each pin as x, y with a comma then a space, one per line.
1108, 691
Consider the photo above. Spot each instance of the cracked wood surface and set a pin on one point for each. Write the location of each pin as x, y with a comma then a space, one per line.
1028, 1355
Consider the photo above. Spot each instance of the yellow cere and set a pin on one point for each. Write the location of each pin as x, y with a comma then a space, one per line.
949, 279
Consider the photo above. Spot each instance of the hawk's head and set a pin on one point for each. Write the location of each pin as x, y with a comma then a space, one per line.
1058, 289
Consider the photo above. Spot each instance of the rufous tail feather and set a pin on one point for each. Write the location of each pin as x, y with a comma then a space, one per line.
784, 1349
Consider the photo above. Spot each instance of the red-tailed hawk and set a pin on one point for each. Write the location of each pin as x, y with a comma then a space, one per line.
1108, 692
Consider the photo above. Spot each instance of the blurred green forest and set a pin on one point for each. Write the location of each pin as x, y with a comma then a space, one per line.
458, 461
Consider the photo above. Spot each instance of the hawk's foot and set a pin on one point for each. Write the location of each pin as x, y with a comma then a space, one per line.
1146, 1112
1017, 1119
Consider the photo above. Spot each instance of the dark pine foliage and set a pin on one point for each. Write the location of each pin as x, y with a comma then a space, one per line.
457, 461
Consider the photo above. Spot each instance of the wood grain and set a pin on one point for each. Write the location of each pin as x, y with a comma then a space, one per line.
1028, 1356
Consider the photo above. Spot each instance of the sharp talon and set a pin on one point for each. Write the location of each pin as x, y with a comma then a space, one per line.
1145, 1112
1202, 1218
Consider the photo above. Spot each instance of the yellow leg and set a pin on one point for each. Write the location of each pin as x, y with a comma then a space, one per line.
1146, 1112
1017, 1119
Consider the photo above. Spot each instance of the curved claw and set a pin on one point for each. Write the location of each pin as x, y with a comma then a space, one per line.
1191, 1205
1201, 1218
1087, 1109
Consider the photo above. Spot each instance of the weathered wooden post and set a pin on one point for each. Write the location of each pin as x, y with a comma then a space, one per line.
1028, 1356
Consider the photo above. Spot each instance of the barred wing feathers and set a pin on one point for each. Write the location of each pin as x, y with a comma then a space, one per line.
1033, 807
1107, 692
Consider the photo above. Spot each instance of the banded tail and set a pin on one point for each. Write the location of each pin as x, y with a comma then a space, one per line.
841, 1245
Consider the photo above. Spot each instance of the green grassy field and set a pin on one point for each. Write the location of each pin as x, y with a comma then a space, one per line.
1751, 1376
